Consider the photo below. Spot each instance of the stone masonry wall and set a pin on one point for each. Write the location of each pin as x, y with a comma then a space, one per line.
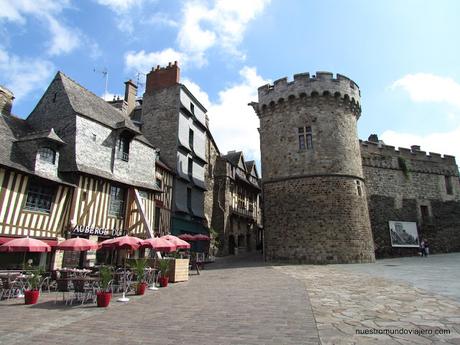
316, 220
395, 194
315, 205
160, 111
211, 157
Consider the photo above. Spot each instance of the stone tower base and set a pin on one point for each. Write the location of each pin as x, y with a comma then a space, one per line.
318, 219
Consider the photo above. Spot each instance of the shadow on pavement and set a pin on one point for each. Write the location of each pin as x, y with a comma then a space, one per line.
242, 260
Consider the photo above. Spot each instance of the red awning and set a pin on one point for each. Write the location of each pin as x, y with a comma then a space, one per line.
51, 243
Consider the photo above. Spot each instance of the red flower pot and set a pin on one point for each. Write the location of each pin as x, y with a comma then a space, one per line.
141, 288
163, 281
31, 296
103, 298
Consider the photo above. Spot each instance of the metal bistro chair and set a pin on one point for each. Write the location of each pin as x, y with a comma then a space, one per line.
10, 287
63, 285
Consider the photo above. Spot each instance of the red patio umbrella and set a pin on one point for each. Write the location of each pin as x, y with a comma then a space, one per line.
180, 244
201, 237
77, 244
25, 244
159, 244
187, 237
122, 242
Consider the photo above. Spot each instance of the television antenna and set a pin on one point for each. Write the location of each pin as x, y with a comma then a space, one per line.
138, 78
105, 74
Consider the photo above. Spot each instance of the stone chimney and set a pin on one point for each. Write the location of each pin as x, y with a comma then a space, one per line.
6, 100
373, 138
130, 96
414, 148
162, 77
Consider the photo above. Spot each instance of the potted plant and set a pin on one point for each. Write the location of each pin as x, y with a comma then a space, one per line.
34, 280
139, 267
163, 266
104, 295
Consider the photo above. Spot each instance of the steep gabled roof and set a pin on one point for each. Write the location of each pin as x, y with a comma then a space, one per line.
251, 166
87, 104
233, 157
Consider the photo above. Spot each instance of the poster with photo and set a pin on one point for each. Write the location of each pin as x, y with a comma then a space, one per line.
403, 234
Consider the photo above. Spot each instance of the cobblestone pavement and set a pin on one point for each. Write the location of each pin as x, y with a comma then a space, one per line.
243, 301
347, 300
252, 304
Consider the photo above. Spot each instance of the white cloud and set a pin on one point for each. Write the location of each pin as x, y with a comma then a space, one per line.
63, 38
143, 62
24, 75
120, 6
223, 25
232, 122
203, 25
441, 142
126, 16
161, 19
424, 87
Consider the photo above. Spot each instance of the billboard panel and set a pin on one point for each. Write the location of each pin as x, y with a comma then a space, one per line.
403, 234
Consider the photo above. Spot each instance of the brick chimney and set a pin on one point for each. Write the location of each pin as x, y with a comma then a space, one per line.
6, 100
130, 96
162, 77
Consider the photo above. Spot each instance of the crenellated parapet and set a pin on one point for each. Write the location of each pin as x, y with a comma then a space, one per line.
379, 155
323, 84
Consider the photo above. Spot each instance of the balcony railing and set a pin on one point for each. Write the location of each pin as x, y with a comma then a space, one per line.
124, 156
244, 212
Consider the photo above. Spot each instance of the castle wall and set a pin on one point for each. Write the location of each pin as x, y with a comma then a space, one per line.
399, 183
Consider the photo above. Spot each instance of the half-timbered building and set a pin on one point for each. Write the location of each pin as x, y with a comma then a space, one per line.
85, 169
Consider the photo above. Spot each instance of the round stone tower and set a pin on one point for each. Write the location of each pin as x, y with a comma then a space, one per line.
315, 205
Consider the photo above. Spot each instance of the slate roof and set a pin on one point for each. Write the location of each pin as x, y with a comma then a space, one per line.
250, 165
233, 157
87, 104
49, 134
12, 129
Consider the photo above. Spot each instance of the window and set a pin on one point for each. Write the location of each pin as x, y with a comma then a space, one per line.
358, 186
305, 138
47, 155
448, 183
123, 148
117, 201
190, 138
309, 137
192, 108
159, 183
189, 199
143, 194
425, 213
190, 167
39, 197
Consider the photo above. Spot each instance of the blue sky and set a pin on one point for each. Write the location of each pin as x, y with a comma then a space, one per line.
404, 55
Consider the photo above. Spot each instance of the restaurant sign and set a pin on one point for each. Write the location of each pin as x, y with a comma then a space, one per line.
96, 231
